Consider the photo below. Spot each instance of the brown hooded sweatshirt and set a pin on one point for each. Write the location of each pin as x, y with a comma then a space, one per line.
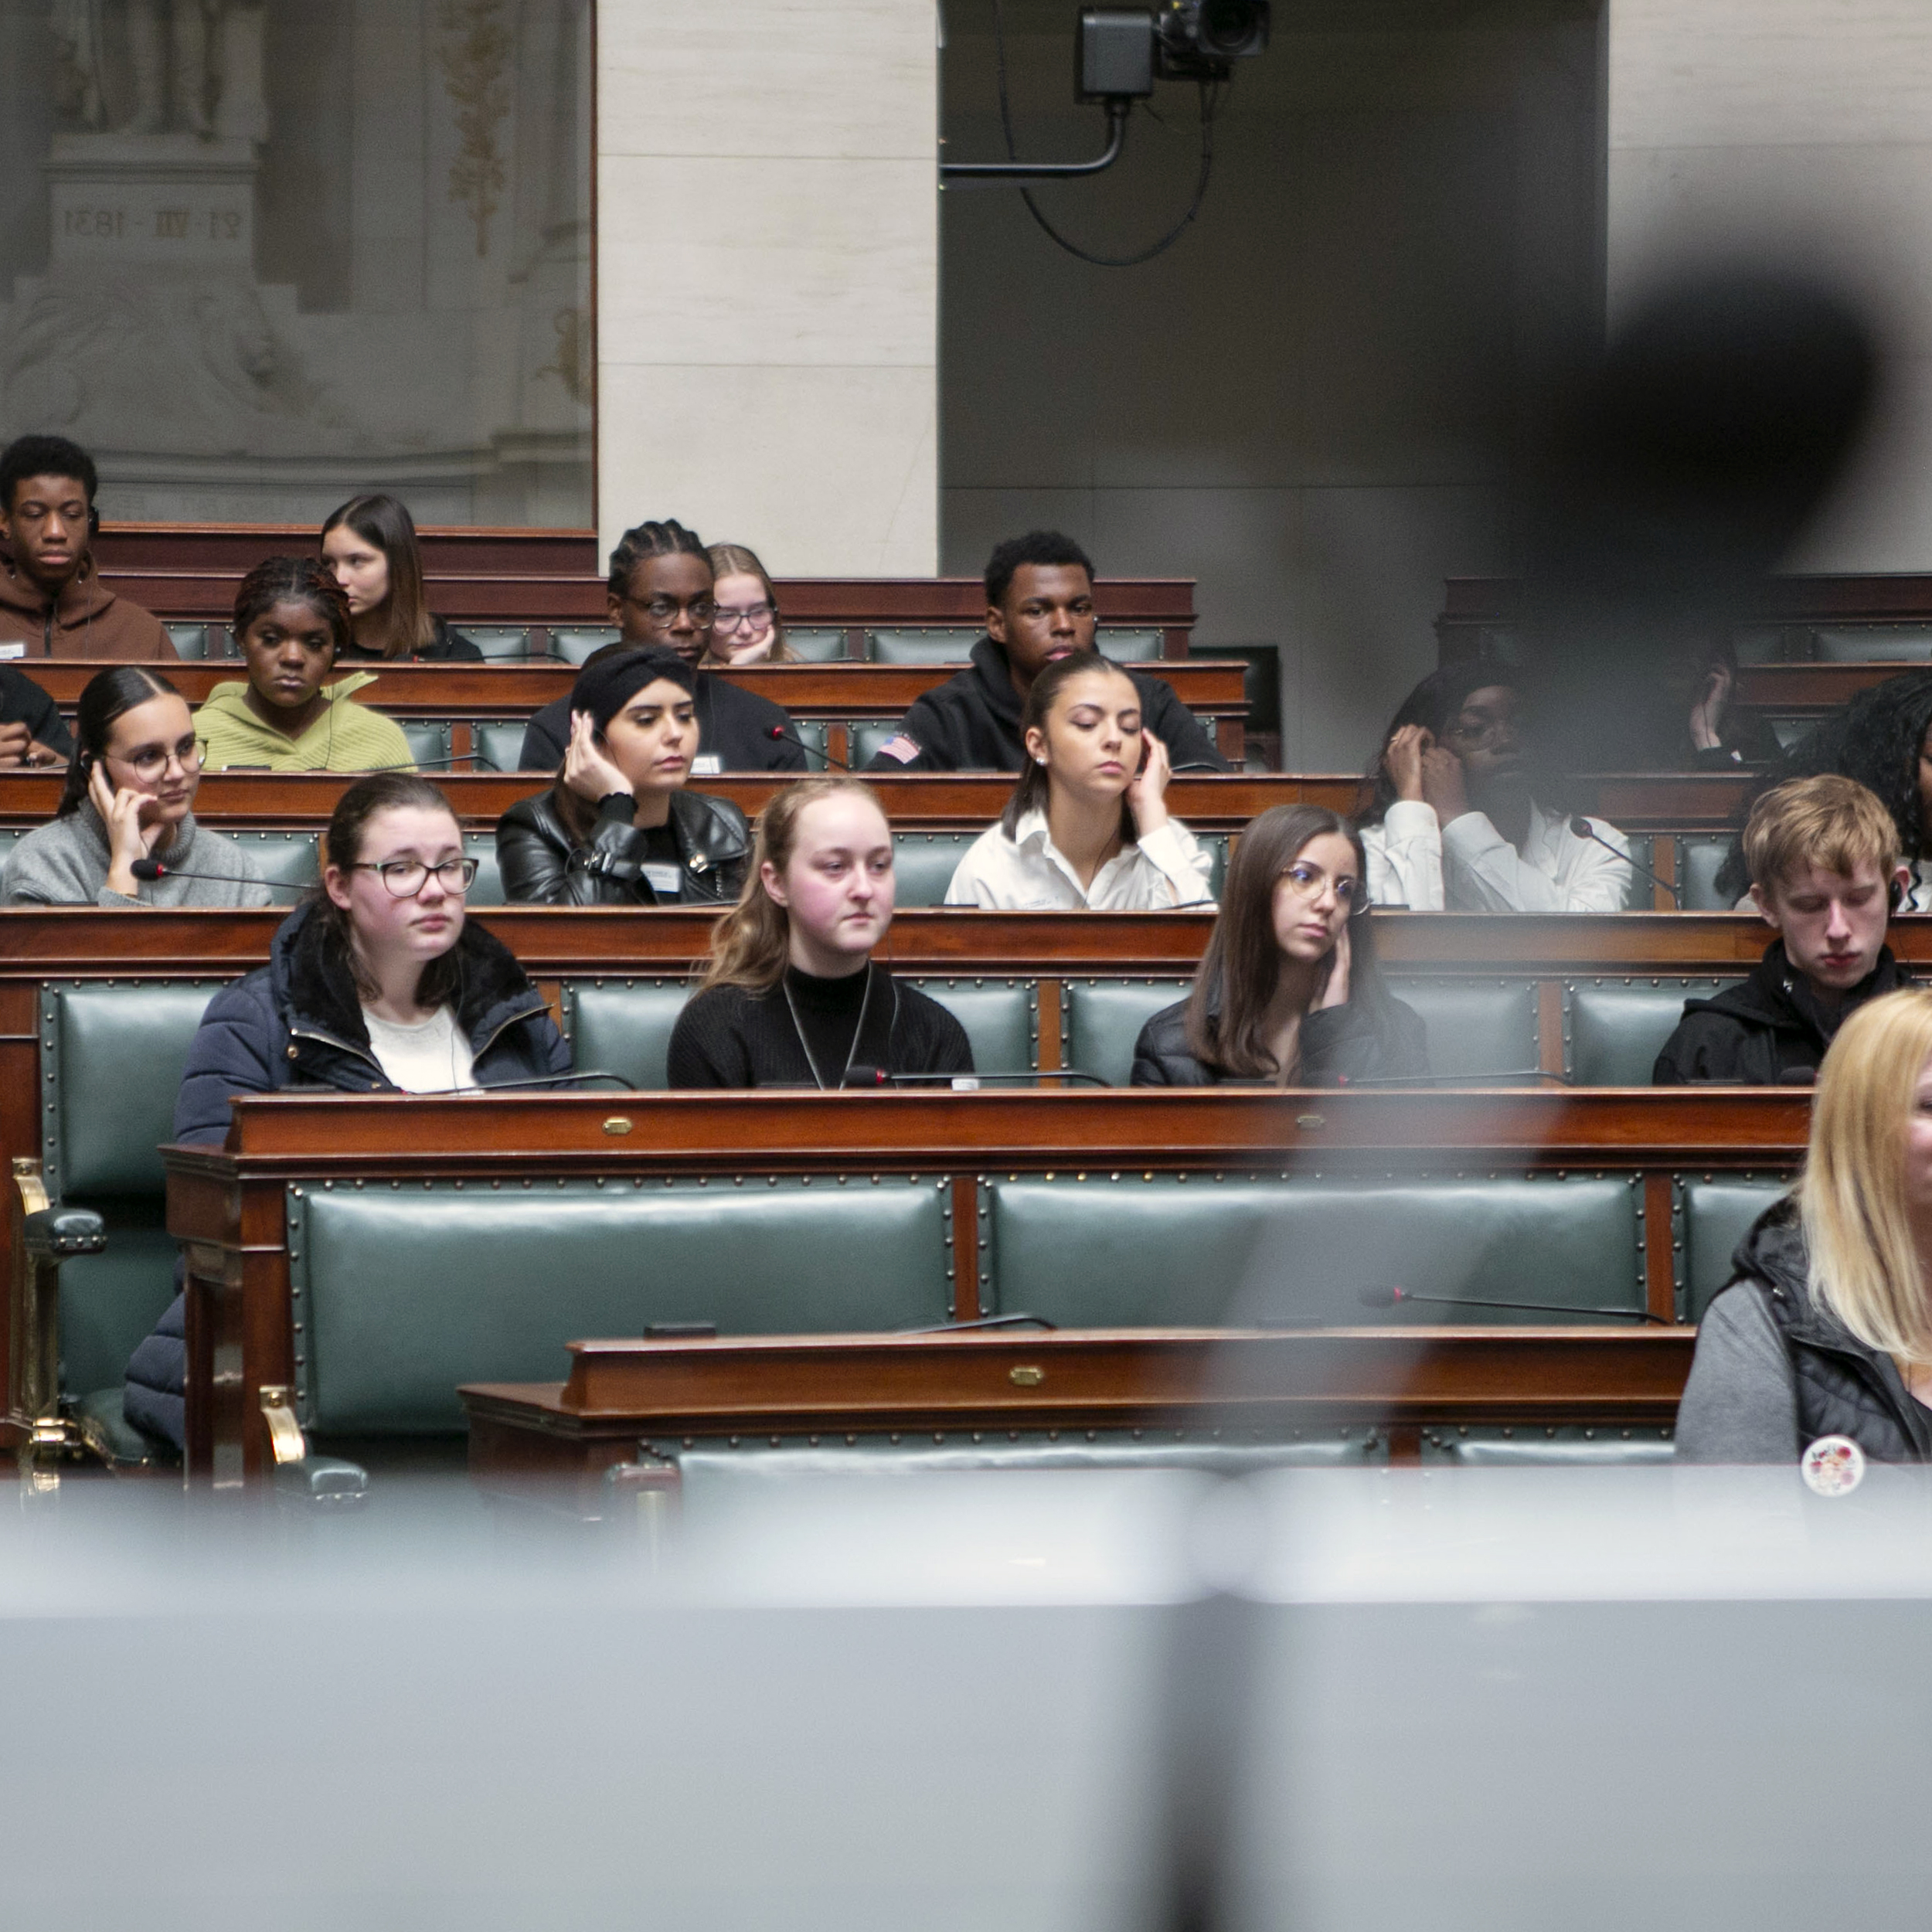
89, 621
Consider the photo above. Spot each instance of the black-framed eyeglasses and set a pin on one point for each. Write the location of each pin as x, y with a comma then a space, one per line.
662, 610
405, 878
1308, 880
755, 617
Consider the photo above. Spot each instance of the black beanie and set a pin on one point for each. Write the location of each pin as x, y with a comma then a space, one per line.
605, 687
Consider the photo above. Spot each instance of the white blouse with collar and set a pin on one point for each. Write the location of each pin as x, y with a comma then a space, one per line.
1030, 873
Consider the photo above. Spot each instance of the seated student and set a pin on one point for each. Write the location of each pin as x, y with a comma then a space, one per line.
661, 594
1710, 730
130, 795
1882, 739
618, 828
375, 983
746, 627
369, 545
52, 599
791, 995
32, 734
1289, 990
1087, 825
1826, 1327
1453, 825
292, 621
1825, 872
1039, 606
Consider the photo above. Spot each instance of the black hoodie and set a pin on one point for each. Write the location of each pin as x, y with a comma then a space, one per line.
1757, 1033
971, 723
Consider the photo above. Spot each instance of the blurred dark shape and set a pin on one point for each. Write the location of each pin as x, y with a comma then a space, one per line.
1677, 474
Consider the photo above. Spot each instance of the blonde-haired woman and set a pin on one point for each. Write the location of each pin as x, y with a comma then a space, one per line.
790, 996
747, 628
1826, 1328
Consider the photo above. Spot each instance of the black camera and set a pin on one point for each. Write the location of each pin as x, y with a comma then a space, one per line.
1197, 39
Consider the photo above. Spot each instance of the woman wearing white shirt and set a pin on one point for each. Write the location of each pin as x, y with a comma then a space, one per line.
1453, 826
1087, 828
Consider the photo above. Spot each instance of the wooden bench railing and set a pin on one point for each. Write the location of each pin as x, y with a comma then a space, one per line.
956, 1388
229, 1205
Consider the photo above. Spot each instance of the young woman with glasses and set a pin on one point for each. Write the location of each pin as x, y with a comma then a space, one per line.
1289, 991
377, 983
746, 625
129, 797
1453, 825
1087, 827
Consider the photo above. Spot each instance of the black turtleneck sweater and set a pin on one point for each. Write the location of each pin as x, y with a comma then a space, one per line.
728, 1037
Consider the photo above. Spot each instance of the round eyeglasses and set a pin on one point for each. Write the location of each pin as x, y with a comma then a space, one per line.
754, 617
405, 878
1308, 881
151, 764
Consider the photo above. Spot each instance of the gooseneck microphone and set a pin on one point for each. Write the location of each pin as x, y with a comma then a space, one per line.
1390, 1298
1581, 828
781, 736
152, 869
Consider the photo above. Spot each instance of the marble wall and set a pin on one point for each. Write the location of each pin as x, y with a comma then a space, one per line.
1796, 130
768, 277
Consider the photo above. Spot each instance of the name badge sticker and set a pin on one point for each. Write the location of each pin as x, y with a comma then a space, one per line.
12, 650
707, 764
666, 881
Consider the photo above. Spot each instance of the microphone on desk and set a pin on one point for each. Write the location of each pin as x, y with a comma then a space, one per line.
781, 736
1390, 1298
436, 764
152, 869
1581, 828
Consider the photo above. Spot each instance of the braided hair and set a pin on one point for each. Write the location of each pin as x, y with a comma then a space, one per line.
667, 538
1876, 739
294, 579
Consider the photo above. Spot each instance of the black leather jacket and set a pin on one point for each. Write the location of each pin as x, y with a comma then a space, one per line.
1339, 1044
541, 863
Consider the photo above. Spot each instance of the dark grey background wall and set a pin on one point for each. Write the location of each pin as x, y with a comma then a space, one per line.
1315, 402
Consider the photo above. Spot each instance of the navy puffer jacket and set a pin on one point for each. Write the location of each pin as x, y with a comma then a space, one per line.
298, 1021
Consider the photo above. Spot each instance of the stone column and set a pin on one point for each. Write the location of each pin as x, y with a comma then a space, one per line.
1801, 131
768, 276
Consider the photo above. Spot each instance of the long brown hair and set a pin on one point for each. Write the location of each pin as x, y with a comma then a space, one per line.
1035, 788
385, 522
750, 944
734, 560
342, 847
1242, 966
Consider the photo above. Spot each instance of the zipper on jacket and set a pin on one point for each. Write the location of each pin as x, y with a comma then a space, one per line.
515, 1020
1869, 1374
340, 1045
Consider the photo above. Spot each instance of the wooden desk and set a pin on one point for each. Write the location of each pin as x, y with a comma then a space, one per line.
959, 1387
230, 1204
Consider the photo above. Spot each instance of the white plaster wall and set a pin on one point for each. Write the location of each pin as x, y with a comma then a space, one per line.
1801, 130
768, 277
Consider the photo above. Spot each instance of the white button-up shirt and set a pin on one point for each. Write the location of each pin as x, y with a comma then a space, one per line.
1030, 873
1471, 868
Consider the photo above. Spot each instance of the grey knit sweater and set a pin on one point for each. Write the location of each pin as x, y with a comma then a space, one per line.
65, 863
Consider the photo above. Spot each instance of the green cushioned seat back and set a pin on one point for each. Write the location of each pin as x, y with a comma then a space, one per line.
288, 858
501, 745
952, 643
403, 1293
1872, 643
1001, 1017
111, 1062
812, 733
816, 646
1101, 1018
1129, 646
1715, 1216
10, 836
1698, 862
1477, 1028
190, 640
623, 1026
497, 641
1641, 895
429, 741
1614, 1030
1138, 1253
110, 1301
923, 863
576, 642
864, 737
486, 889
1568, 1447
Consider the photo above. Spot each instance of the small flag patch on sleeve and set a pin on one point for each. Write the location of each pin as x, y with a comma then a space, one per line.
901, 747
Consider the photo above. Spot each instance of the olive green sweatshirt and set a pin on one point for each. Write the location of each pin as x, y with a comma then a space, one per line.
343, 737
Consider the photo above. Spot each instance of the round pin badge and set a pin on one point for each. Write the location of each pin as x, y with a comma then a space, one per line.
1833, 1466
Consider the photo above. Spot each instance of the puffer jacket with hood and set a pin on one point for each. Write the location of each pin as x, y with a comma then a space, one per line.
1774, 1371
298, 1021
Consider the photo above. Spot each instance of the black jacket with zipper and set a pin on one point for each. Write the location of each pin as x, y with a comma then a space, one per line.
1774, 1370
543, 862
1766, 1030
298, 1021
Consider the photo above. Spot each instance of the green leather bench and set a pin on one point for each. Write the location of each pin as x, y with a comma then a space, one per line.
952, 643
429, 742
1714, 1217
1569, 1447
498, 642
1699, 860
1134, 1252
816, 646
623, 1026
923, 863
1614, 1030
401, 1292
1476, 1027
